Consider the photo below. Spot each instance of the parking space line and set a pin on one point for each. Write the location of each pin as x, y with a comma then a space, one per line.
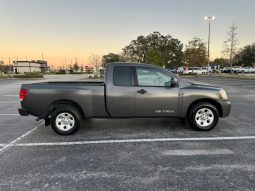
6, 146
11, 95
1, 102
198, 152
129, 141
9, 114
15, 140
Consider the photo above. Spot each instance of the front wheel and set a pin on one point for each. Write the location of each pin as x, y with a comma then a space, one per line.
203, 116
66, 120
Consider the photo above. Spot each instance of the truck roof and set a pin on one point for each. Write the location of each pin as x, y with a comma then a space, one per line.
132, 64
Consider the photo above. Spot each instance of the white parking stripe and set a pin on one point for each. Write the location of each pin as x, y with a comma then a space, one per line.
12, 143
15, 140
11, 95
9, 114
9, 102
132, 141
198, 152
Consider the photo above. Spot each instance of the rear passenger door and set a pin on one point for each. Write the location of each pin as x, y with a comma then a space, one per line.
120, 91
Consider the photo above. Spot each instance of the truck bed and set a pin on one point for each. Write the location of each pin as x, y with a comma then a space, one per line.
83, 83
89, 95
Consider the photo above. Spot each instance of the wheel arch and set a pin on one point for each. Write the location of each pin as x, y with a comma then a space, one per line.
207, 100
56, 103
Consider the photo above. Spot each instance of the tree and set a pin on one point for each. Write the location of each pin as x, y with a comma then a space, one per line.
95, 60
143, 48
195, 53
248, 55
155, 57
111, 57
220, 61
230, 45
75, 67
81, 68
5, 68
1, 66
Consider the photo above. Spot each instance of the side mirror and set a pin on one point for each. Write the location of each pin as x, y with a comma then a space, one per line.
174, 82
168, 84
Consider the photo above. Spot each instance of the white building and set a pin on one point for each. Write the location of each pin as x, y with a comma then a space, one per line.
20, 67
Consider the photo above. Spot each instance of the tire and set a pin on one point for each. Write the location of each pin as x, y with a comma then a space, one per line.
66, 120
203, 116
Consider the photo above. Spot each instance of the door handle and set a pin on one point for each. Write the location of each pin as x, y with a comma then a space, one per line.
142, 91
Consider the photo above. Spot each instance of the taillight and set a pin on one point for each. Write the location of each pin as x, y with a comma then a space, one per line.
22, 94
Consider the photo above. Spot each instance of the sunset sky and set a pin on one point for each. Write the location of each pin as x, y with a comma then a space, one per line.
69, 29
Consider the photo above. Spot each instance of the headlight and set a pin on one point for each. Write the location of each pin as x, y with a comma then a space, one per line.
223, 94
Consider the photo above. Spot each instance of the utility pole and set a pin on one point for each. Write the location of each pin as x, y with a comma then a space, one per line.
10, 67
65, 64
209, 19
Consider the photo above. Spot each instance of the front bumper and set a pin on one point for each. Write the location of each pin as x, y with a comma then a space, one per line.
226, 107
23, 112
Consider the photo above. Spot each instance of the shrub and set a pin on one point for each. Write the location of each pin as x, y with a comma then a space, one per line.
29, 75
189, 74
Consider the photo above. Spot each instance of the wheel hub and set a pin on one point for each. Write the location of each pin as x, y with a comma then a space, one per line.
204, 117
65, 121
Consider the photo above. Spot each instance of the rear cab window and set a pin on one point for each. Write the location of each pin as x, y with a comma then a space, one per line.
122, 76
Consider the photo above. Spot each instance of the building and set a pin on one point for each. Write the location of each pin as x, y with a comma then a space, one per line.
21, 67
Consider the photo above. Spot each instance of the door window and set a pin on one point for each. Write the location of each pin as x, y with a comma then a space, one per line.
152, 77
122, 76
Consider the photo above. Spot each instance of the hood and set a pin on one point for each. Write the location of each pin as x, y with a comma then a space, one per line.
196, 85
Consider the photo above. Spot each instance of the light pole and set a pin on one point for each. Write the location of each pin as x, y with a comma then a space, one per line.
209, 19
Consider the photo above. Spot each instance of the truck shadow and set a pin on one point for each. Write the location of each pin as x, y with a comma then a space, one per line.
136, 127
113, 129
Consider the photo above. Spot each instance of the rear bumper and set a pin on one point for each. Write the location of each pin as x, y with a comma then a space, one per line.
226, 107
23, 112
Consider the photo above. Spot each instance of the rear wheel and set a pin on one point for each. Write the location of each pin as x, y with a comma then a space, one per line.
66, 120
203, 116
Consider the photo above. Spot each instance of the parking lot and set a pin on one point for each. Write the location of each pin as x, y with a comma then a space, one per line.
130, 154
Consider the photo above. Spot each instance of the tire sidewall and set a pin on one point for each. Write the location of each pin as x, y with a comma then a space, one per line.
71, 110
195, 109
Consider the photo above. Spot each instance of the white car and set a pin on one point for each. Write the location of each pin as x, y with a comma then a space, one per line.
196, 70
238, 69
205, 68
180, 69
249, 70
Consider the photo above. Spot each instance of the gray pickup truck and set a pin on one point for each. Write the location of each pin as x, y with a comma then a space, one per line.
129, 90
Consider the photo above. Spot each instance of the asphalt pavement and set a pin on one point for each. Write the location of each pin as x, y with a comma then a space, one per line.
130, 154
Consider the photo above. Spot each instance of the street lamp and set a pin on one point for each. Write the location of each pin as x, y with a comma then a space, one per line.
209, 19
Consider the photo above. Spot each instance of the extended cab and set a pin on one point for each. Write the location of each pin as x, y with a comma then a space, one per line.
129, 90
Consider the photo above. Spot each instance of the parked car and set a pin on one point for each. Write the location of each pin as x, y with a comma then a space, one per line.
129, 90
238, 69
195, 70
180, 69
226, 70
209, 69
249, 70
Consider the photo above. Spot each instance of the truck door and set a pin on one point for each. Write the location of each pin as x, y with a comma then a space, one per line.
154, 95
120, 91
